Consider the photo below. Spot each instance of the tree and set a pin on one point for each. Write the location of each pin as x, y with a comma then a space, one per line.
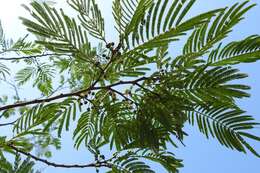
131, 95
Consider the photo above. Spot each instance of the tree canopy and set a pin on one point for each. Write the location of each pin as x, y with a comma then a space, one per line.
131, 95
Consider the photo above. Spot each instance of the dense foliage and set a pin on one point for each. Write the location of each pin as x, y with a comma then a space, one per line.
132, 95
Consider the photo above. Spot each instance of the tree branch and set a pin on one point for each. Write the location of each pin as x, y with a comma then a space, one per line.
77, 93
32, 56
98, 164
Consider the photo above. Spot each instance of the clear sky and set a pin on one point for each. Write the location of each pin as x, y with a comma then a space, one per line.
200, 155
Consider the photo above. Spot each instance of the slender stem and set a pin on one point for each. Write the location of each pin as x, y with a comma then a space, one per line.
97, 164
146, 89
32, 56
77, 93
122, 95
8, 124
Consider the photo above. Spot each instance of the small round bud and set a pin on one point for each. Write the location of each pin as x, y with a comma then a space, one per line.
108, 45
119, 53
97, 63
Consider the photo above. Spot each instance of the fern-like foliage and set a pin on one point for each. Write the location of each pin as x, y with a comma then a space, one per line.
207, 35
42, 73
227, 125
131, 162
133, 95
4, 70
62, 32
19, 166
214, 109
90, 17
21, 46
244, 51
147, 24
44, 116
213, 85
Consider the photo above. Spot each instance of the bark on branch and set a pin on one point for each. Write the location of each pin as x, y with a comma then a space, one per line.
76, 94
30, 57
97, 164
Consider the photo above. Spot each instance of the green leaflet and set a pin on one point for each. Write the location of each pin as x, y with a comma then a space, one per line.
61, 32
90, 17
206, 36
4, 70
226, 125
19, 165
49, 114
245, 51
42, 73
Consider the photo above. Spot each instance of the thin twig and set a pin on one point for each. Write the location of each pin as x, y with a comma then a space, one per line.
122, 95
77, 93
146, 89
32, 56
8, 124
97, 164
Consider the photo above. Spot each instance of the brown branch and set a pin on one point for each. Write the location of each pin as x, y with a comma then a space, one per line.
32, 56
98, 164
77, 93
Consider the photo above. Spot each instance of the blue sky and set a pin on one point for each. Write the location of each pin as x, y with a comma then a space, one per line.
200, 155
